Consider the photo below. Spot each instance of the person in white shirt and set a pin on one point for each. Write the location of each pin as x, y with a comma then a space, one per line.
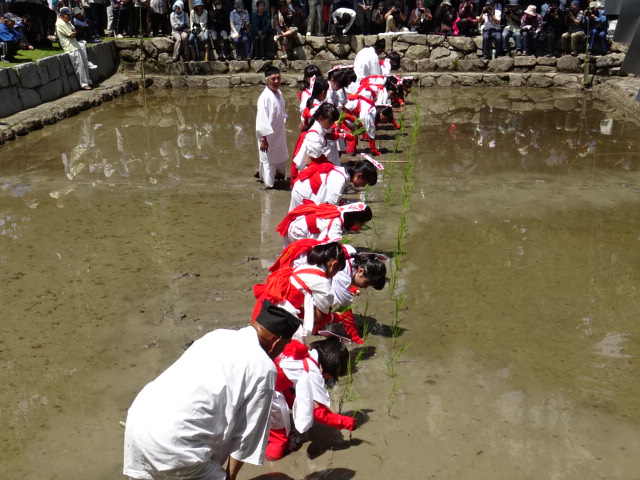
491, 30
270, 129
210, 407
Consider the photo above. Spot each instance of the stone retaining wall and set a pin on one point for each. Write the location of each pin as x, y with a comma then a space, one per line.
420, 53
31, 84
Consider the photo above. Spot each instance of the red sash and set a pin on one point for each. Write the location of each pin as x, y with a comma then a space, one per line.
314, 171
311, 212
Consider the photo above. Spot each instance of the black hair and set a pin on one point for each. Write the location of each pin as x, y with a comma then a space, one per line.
320, 85
390, 80
351, 75
270, 70
365, 167
380, 45
260, 2
385, 110
394, 58
339, 77
310, 71
322, 254
362, 216
374, 269
326, 110
333, 356
346, 17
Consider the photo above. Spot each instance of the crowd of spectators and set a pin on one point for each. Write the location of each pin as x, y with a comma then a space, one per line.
251, 27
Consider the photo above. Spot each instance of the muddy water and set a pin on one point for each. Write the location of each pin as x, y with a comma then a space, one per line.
137, 226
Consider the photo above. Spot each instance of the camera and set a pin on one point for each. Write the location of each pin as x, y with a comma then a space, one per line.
195, 28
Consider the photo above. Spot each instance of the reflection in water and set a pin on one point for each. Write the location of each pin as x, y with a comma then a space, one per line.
138, 226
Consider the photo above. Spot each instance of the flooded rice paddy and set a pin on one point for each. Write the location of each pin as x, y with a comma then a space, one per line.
137, 226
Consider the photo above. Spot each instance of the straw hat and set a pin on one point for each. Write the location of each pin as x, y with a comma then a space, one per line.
531, 10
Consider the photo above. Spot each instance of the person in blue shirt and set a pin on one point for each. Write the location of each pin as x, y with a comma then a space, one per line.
598, 26
12, 38
261, 26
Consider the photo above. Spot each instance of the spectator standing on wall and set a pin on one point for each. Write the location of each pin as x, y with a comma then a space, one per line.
396, 17
491, 31
261, 25
530, 28
512, 16
574, 36
159, 17
314, 19
99, 15
421, 19
364, 10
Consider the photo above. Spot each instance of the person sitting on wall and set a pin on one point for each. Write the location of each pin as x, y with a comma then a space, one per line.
285, 29
83, 26
467, 23
12, 38
598, 26
396, 17
420, 19
180, 31
530, 28
574, 36
491, 31
512, 17
219, 29
552, 26
67, 34
444, 18
199, 36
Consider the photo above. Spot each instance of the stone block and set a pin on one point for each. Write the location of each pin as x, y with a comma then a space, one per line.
52, 90
218, 82
414, 38
428, 81
340, 50
325, 55
540, 80
547, 61
127, 44
440, 52
297, 65
444, 64
495, 80
195, 81
435, 40
401, 47
562, 80
417, 52
445, 80
425, 65
317, 43
163, 44
30, 98
33, 123
619, 47
543, 69
131, 56
11, 103
471, 65
252, 79
44, 72
610, 61
463, 44
525, 62
150, 49
518, 80
176, 68
502, 64
357, 43
303, 52
568, 64
468, 80
408, 65
8, 78
104, 56
238, 66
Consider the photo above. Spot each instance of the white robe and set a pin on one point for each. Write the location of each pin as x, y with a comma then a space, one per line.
330, 230
270, 123
214, 401
365, 64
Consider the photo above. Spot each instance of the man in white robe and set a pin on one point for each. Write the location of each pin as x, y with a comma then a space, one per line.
211, 406
270, 130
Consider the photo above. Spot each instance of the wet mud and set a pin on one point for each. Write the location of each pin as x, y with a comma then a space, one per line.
507, 347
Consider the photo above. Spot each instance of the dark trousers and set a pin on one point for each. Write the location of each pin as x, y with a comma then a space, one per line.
489, 36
